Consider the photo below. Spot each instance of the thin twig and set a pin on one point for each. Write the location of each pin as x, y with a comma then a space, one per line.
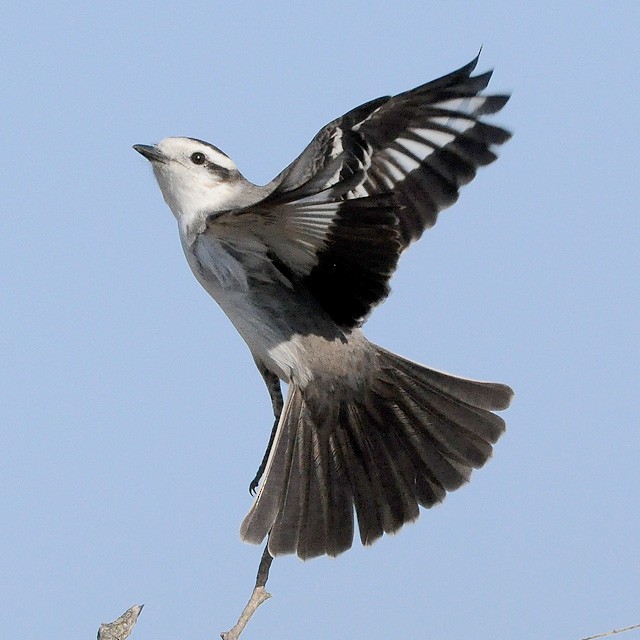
613, 632
121, 628
258, 596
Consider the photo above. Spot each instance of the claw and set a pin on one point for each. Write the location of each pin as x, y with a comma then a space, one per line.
273, 385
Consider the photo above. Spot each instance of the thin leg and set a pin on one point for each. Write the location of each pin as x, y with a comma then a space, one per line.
273, 385
265, 565
258, 596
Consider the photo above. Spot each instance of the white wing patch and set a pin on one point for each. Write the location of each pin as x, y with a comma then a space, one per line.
436, 138
457, 123
336, 143
406, 162
397, 163
393, 172
416, 144
468, 105
416, 148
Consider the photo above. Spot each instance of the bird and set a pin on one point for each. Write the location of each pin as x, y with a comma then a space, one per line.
364, 436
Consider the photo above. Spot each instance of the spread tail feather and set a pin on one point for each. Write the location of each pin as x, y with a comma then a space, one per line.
414, 435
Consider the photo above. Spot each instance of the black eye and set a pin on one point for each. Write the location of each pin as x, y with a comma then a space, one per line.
197, 158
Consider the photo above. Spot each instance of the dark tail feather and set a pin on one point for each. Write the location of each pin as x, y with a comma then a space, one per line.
414, 435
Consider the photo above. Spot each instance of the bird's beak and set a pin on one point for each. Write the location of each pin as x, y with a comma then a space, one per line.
150, 152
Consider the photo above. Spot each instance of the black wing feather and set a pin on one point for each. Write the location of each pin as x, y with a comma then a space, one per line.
369, 184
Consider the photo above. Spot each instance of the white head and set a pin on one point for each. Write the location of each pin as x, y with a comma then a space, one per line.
194, 176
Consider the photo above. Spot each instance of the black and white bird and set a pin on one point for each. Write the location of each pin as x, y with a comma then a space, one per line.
297, 265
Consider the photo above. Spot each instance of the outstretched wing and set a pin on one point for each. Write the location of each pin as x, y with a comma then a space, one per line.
422, 145
343, 251
336, 220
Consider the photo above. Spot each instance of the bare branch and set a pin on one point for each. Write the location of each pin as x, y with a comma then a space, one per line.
121, 628
258, 596
613, 632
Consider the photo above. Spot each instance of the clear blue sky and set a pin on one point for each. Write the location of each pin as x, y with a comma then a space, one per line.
132, 418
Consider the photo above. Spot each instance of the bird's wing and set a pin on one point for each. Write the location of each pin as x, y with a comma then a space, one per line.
343, 251
423, 145
337, 219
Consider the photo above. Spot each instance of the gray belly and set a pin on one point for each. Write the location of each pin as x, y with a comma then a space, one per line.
283, 325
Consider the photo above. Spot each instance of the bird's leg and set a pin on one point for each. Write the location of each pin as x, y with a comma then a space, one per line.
273, 385
258, 596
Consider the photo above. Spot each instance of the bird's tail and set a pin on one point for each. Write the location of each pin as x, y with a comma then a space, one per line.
412, 436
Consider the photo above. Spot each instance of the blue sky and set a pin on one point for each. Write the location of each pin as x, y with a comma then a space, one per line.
132, 418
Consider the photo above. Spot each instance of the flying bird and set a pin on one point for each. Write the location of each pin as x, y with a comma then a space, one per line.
297, 265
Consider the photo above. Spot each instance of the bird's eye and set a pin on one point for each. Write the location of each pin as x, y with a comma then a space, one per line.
197, 158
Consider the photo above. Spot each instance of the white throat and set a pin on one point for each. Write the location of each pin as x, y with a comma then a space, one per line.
191, 200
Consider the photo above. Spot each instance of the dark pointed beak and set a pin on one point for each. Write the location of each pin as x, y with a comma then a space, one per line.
150, 152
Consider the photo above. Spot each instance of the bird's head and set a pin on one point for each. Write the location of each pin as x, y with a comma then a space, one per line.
195, 177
